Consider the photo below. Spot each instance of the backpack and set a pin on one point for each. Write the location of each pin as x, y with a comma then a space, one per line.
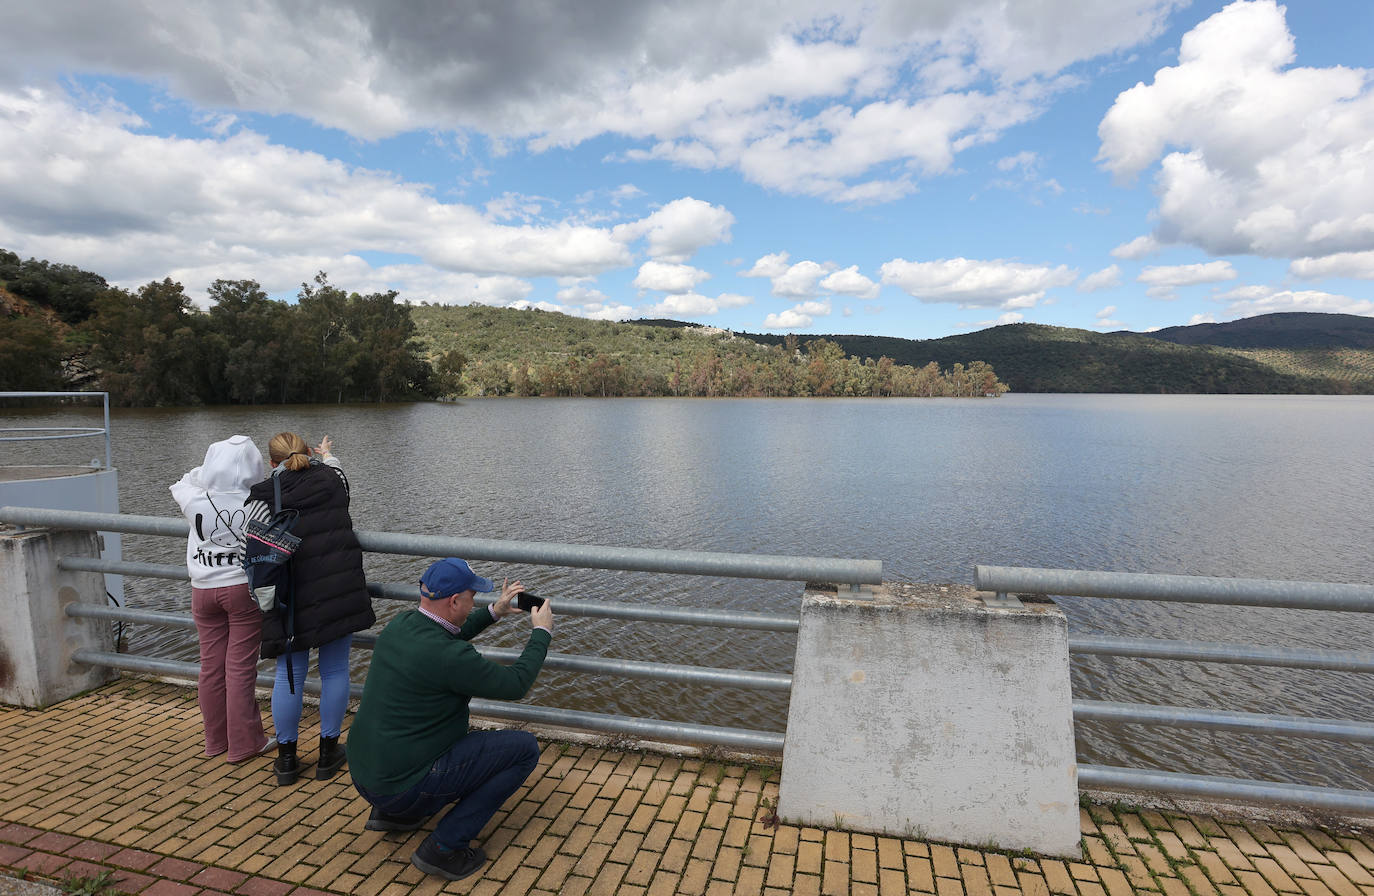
267, 551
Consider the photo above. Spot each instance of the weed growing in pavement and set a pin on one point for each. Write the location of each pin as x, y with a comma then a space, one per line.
101, 884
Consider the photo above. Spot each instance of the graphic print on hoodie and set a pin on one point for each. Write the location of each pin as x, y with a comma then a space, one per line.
211, 497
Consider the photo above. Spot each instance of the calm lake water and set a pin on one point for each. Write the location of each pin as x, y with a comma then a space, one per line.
1257, 487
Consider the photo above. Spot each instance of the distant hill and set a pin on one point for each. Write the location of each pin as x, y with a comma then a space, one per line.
1296, 329
1040, 358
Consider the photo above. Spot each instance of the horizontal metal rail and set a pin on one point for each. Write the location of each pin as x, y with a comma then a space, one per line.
1220, 720
524, 713
1215, 652
1332, 799
703, 563
570, 662
1185, 589
737, 619
73, 432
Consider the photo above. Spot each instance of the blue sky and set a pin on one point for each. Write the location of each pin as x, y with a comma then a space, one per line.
893, 168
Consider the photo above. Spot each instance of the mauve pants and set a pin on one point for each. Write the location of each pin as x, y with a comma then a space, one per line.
230, 627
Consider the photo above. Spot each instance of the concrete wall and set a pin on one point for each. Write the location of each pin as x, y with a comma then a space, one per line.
69, 488
37, 639
922, 712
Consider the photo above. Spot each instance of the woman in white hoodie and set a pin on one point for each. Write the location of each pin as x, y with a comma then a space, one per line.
228, 620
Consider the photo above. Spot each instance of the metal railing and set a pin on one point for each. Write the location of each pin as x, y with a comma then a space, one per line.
798, 569
1004, 580
44, 433
1216, 591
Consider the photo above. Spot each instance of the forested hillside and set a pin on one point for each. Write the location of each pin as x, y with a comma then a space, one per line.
1039, 358
504, 351
63, 328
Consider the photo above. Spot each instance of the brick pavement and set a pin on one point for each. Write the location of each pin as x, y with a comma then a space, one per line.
112, 782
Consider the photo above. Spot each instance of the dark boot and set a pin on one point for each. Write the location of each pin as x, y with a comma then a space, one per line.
332, 758
287, 766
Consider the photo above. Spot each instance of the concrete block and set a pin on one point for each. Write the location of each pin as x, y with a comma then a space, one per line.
38, 638
922, 712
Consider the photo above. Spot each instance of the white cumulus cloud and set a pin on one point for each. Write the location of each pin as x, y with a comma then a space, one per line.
677, 230
1171, 276
792, 97
1342, 264
1140, 247
1106, 278
973, 283
1257, 155
665, 277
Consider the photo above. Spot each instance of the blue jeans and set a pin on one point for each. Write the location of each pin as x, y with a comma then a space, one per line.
480, 772
286, 706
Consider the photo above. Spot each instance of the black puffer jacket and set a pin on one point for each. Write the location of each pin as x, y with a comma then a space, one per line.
328, 587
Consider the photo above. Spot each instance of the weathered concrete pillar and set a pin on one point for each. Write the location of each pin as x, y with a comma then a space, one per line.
922, 712
38, 638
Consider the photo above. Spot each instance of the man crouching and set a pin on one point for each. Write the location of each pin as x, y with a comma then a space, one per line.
409, 749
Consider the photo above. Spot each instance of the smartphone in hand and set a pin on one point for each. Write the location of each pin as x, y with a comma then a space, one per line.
527, 601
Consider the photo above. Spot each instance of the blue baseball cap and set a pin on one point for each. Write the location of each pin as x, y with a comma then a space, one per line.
453, 576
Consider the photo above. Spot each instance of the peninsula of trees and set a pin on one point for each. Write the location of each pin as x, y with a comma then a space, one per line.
64, 328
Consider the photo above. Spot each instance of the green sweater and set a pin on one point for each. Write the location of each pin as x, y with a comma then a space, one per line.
415, 702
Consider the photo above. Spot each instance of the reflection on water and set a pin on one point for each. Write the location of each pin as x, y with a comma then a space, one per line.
1257, 487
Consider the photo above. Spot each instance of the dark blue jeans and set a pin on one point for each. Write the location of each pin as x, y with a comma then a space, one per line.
479, 773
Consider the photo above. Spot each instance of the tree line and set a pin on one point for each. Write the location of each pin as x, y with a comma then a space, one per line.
64, 328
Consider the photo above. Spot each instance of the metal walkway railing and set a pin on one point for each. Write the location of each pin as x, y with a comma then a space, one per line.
45, 433
1204, 590
799, 569
1004, 580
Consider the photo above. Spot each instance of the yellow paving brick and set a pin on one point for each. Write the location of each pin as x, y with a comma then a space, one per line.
1290, 861
1242, 838
1097, 852
1188, 833
1230, 853
675, 855
1115, 882
1081, 871
555, 871
1155, 859
975, 878
1216, 869
1172, 886
1057, 876
1336, 881
945, 861
591, 859
641, 870
1352, 869
890, 853
781, 869
1000, 871
1313, 887
891, 882
1197, 881
750, 882
949, 886
919, 874
1254, 883
1088, 888
727, 864
1032, 884
1277, 877
695, 878
1360, 851
1117, 839
1171, 844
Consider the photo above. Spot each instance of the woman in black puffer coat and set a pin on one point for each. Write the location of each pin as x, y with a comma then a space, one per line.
328, 595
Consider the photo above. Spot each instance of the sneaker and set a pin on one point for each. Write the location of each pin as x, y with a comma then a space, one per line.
380, 821
267, 747
454, 864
